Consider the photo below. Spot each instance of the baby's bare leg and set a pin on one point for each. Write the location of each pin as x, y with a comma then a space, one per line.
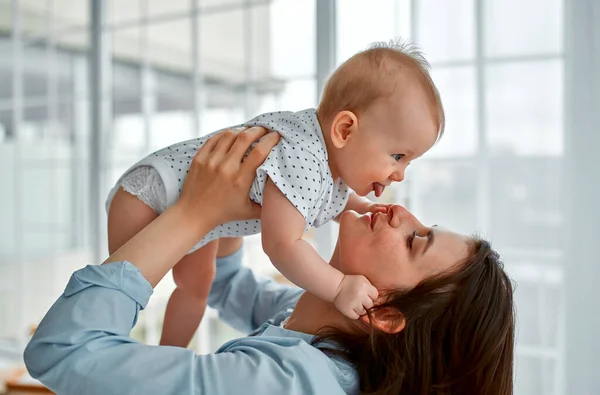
193, 276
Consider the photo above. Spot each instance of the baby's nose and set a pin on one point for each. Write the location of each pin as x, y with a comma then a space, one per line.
397, 176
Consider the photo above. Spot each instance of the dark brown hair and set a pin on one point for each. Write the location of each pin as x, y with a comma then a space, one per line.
458, 337
372, 74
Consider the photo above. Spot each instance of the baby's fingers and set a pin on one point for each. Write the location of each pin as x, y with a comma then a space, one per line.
368, 303
373, 293
354, 314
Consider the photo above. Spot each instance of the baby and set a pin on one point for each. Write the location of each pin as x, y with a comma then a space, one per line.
379, 111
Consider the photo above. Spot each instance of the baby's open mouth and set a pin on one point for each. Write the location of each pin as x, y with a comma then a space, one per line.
378, 189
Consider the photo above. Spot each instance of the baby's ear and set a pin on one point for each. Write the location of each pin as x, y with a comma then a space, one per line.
343, 126
386, 319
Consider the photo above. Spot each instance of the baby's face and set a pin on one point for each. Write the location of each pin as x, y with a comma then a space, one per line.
390, 134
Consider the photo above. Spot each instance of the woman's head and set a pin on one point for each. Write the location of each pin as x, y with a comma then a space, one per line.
395, 250
444, 323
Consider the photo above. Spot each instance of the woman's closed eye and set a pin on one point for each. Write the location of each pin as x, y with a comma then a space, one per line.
409, 241
398, 157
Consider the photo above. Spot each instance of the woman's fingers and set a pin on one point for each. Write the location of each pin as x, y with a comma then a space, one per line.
220, 179
208, 147
228, 138
244, 141
258, 154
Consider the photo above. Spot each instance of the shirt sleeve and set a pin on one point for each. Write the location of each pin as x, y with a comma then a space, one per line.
244, 300
297, 174
83, 346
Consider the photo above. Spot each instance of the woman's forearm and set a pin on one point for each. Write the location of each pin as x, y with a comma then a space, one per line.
161, 244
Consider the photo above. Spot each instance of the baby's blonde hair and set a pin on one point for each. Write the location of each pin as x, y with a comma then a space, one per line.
372, 74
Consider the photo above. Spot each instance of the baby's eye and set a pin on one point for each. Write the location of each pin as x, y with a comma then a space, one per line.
397, 157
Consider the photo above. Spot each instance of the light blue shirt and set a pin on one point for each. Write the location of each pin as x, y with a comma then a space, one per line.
82, 345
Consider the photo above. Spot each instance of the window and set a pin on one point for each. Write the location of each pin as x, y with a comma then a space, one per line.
176, 72
251, 58
497, 169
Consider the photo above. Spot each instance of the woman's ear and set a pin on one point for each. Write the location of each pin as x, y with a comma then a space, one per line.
344, 124
387, 320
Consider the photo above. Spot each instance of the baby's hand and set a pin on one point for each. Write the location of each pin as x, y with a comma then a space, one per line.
355, 295
378, 208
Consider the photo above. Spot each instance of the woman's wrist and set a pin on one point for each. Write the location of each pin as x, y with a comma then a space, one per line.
196, 221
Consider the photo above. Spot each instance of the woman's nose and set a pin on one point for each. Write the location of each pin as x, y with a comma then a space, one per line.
403, 217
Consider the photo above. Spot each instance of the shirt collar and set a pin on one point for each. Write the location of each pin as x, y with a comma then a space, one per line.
312, 116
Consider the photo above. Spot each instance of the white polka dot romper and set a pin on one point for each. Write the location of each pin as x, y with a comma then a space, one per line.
297, 165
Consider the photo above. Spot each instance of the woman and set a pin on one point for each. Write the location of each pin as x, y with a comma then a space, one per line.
443, 325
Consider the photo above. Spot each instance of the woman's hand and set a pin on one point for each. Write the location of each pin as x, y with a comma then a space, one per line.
219, 179
215, 191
